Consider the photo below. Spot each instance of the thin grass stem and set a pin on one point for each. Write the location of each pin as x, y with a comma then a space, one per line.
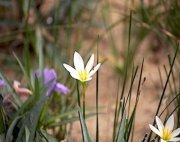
97, 98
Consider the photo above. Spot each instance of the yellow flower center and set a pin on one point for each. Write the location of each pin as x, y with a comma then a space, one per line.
83, 75
166, 134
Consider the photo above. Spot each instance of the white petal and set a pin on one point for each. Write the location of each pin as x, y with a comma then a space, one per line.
163, 140
74, 75
90, 63
175, 139
72, 71
89, 79
155, 130
94, 70
175, 133
78, 62
170, 123
69, 68
159, 124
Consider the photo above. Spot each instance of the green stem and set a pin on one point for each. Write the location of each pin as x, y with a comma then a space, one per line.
78, 95
84, 102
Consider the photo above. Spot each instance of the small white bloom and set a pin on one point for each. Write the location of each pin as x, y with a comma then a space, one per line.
166, 132
80, 72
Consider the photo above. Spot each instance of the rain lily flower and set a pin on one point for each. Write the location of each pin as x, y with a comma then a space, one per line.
50, 80
166, 132
80, 72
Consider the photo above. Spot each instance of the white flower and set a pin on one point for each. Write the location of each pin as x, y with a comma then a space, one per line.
166, 132
81, 73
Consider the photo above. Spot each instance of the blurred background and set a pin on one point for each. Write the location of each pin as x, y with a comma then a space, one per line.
121, 30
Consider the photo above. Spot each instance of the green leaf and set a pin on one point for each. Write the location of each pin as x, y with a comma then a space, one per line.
39, 49
20, 64
2, 137
53, 119
11, 129
69, 120
122, 129
2, 121
130, 124
27, 134
48, 137
32, 117
85, 132
26, 5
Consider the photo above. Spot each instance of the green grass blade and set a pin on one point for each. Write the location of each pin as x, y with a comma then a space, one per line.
39, 49
27, 134
2, 121
11, 129
48, 137
97, 96
132, 118
174, 99
121, 133
70, 120
160, 75
116, 113
58, 117
86, 136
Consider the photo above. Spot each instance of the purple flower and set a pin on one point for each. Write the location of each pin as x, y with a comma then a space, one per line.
50, 80
2, 83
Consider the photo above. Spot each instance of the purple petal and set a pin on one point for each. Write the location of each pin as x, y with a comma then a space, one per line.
50, 78
49, 75
61, 88
50, 89
2, 83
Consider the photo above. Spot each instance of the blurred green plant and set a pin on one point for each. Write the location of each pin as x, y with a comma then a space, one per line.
159, 18
47, 32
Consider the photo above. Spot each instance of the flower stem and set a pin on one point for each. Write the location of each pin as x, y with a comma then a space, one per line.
84, 103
